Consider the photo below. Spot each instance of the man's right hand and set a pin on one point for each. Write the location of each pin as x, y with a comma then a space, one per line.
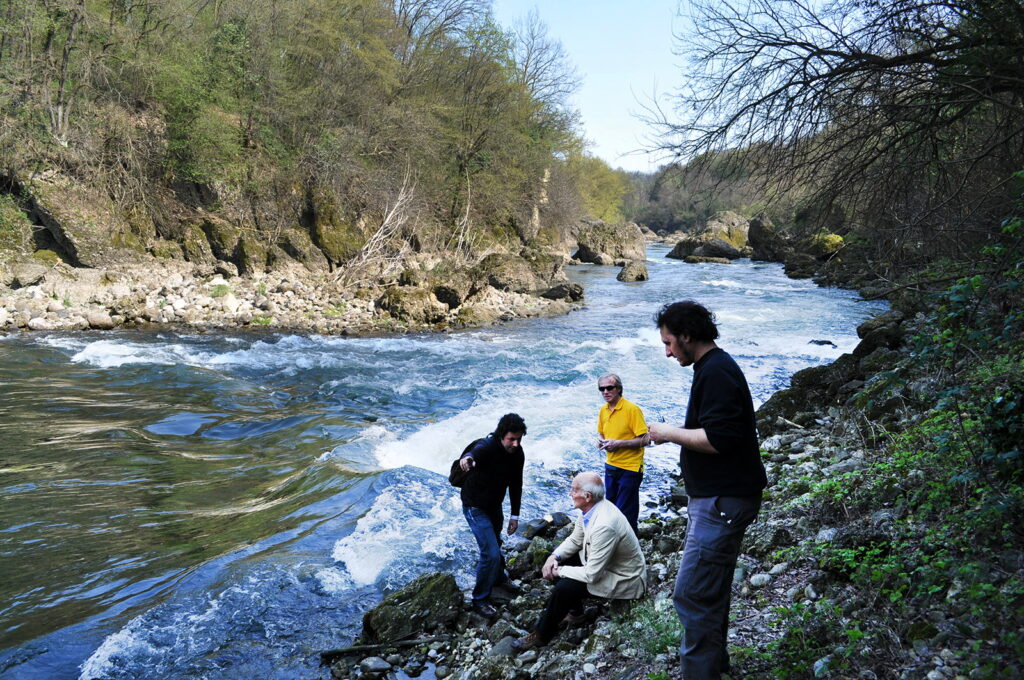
467, 463
548, 570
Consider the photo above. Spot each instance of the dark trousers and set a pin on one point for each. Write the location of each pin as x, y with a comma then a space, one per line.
567, 595
704, 584
622, 488
490, 568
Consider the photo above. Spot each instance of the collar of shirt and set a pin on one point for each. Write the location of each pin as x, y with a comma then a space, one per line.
588, 513
610, 408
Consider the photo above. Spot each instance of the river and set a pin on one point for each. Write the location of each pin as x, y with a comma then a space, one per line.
226, 505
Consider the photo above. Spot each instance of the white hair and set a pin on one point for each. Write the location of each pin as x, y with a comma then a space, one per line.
591, 483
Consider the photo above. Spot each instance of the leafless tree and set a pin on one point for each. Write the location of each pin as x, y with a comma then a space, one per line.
543, 67
907, 113
382, 252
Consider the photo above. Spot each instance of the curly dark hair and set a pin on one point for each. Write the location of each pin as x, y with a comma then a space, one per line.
687, 318
510, 422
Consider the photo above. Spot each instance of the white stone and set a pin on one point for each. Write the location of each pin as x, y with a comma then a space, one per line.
229, 303
40, 324
99, 319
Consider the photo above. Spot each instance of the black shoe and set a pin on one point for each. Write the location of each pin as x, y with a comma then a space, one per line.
485, 609
573, 619
511, 587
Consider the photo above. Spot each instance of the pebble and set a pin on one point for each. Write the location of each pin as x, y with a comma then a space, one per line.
760, 580
374, 664
589, 668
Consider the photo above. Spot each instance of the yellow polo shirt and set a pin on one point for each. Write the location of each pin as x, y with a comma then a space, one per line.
625, 421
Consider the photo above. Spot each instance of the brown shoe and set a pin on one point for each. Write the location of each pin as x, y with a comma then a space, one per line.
527, 642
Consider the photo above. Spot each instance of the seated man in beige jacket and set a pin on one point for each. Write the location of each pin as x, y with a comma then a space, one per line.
612, 565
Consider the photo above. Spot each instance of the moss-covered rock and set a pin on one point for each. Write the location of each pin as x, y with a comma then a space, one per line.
15, 227
222, 236
46, 258
299, 245
412, 305
250, 255
338, 237
727, 226
508, 272
82, 223
428, 601
195, 245
169, 250
823, 246
700, 259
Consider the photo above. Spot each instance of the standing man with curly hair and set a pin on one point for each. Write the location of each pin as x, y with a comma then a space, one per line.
724, 477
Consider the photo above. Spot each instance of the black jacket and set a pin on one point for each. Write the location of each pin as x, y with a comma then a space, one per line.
496, 472
720, 403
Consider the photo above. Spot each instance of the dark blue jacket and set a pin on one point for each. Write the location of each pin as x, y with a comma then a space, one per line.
496, 472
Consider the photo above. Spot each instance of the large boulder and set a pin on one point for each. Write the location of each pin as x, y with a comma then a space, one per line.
684, 247
195, 245
338, 237
412, 305
768, 243
508, 272
425, 603
222, 236
717, 247
727, 226
635, 270
620, 241
299, 246
250, 255
884, 330
567, 290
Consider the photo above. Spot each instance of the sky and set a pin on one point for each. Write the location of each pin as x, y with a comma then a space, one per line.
622, 49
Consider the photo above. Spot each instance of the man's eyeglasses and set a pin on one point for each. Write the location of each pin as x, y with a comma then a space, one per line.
606, 388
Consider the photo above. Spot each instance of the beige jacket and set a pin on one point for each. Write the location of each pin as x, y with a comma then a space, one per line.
613, 566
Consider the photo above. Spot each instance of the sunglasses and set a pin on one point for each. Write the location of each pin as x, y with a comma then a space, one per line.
606, 388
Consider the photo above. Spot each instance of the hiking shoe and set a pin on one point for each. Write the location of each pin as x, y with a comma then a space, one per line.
573, 619
527, 642
485, 609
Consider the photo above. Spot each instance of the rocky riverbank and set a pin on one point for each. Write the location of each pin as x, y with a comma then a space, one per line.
420, 292
176, 294
794, 606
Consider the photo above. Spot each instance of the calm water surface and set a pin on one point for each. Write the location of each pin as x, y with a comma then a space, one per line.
227, 505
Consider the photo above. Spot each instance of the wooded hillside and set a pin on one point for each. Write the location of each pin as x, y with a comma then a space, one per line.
420, 123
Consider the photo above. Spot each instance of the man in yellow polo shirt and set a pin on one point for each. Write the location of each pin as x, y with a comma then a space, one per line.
623, 434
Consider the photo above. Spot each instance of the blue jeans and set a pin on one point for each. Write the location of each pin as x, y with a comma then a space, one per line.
622, 488
490, 569
704, 584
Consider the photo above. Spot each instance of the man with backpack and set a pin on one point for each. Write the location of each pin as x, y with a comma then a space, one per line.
493, 466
